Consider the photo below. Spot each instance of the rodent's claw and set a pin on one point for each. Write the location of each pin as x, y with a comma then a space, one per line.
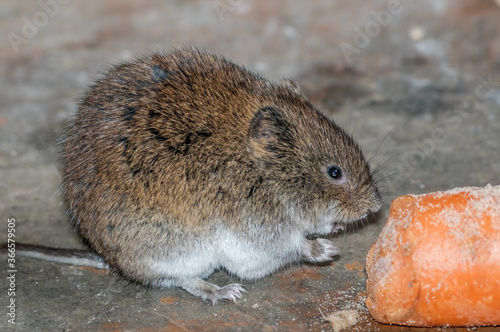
212, 292
320, 250
337, 227
229, 292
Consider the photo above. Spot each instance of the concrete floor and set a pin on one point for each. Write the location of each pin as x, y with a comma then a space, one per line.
424, 76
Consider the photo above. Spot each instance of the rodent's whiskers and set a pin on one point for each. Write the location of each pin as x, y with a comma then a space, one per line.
377, 150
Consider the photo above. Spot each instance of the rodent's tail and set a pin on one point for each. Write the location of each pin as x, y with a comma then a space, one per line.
58, 255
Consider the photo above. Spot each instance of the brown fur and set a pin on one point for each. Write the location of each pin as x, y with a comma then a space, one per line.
170, 147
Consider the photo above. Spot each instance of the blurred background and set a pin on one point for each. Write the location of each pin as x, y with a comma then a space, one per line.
416, 82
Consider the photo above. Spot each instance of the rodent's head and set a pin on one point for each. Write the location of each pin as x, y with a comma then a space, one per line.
317, 167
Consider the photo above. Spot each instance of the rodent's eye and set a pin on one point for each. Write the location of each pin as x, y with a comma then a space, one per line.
335, 172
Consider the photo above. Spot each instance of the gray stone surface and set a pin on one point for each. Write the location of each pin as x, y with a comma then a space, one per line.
419, 79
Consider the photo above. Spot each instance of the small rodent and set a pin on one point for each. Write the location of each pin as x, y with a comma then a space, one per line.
183, 163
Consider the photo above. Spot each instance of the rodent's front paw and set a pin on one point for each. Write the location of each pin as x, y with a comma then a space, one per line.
320, 250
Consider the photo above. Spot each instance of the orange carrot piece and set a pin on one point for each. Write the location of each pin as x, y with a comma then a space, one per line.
437, 260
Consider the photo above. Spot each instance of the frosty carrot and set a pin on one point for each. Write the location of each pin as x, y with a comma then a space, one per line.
437, 260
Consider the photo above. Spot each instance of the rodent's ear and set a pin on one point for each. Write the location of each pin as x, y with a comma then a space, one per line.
264, 132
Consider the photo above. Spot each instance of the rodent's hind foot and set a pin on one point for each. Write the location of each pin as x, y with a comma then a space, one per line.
208, 291
319, 250
229, 292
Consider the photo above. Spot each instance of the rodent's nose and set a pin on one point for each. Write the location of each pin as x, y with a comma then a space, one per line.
360, 203
377, 205
377, 202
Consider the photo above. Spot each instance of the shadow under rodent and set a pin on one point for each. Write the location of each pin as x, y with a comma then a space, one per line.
183, 163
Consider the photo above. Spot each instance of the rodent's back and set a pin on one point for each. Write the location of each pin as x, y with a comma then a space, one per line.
155, 135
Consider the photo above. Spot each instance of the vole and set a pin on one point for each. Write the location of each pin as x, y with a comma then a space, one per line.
179, 164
